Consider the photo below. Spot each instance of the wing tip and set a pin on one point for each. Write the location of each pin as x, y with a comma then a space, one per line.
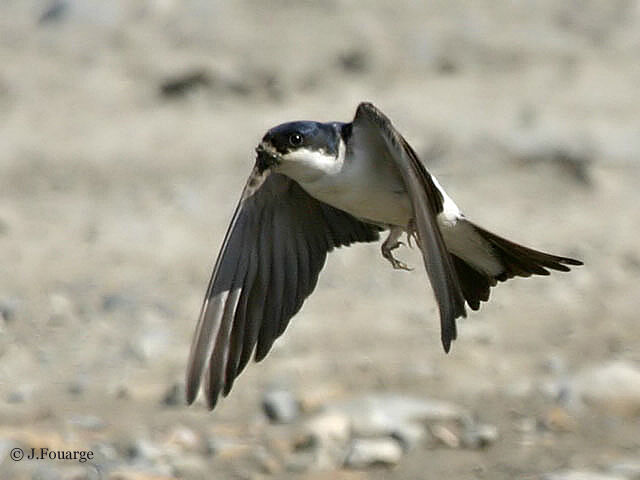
190, 395
572, 261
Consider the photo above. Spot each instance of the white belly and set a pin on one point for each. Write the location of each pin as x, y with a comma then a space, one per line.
366, 202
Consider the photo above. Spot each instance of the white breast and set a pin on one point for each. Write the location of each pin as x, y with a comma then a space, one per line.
361, 187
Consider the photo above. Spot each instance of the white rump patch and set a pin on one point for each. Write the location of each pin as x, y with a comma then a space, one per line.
450, 212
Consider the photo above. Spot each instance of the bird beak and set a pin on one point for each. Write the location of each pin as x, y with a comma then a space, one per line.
266, 158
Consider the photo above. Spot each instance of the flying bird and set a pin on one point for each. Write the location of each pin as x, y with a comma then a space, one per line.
316, 186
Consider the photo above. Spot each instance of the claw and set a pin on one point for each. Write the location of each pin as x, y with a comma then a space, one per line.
390, 244
399, 265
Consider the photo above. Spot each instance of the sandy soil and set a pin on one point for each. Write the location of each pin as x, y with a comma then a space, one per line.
117, 184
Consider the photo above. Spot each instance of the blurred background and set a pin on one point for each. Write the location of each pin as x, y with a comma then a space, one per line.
126, 134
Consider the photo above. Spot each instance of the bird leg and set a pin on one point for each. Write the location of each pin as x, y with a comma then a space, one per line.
412, 233
390, 244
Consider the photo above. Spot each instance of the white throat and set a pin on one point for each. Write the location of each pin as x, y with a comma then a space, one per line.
304, 165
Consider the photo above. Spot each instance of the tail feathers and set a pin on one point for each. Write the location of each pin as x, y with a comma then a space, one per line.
475, 285
516, 260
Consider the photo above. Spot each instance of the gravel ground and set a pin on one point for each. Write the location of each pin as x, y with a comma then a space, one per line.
127, 131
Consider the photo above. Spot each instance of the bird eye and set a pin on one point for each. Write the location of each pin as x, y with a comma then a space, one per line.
295, 139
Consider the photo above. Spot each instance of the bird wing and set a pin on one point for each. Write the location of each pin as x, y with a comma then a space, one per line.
374, 133
269, 263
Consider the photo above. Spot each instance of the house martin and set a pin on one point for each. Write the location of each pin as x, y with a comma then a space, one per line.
317, 186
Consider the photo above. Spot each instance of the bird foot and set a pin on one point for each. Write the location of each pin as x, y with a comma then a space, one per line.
387, 248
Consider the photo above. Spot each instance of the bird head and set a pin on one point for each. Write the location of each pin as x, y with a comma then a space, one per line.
299, 149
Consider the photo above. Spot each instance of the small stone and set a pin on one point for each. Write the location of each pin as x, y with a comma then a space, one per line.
580, 475
8, 308
558, 420
354, 61
174, 395
55, 11
629, 469
280, 406
88, 422
105, 451
186, 440
143, 450
409, 435
22, 394
326, 435
314, 398
613, 387
446, 436
228, 448
76, 388
154, 341
301, 461
267, 462
373, 451
381, 414
190, 466
183, 83
118, 301
480, 436
329, 427
60, 305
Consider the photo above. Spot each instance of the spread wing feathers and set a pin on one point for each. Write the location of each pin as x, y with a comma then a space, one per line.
269, 263
426, 201
516, 260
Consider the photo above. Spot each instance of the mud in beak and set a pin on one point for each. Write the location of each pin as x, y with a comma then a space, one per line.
266, 158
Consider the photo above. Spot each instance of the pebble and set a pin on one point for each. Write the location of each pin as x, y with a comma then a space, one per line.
580, 475
373, 451
558, 419
228, 448
446, 436
329, 427
8, 308
184, 439
119, 301
280, 406
55, 11
23, 393
613, 387
190, 466
628, 468
180, 84
88, 422
153, 342
301, 461
410, 435
174, 395
326, 436
314, 398
383, 414
267, 462
480, 436
76, 387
